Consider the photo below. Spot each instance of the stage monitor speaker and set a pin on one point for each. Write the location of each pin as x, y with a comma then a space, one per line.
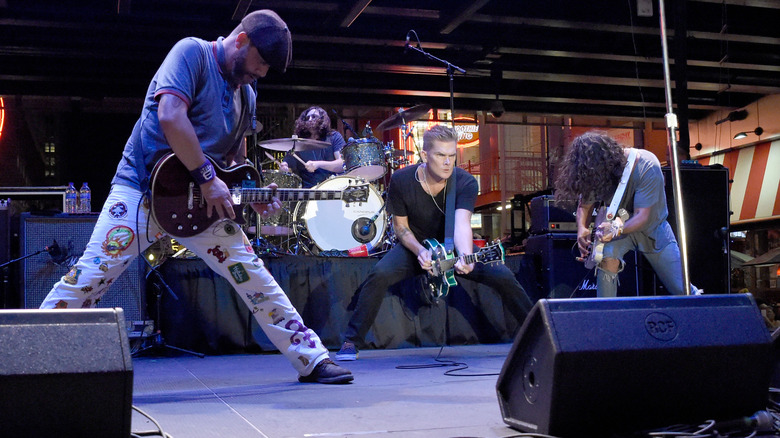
65, 373
595, 367
72, 232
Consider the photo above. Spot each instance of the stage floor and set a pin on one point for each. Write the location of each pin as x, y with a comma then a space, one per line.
248, 396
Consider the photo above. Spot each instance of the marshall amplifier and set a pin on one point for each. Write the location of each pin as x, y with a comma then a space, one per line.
547, 218
560, 275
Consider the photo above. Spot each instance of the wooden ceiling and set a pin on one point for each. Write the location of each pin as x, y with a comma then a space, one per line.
556, 57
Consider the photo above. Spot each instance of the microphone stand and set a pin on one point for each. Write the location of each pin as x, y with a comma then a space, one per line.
671, 128
158, 342
450, 73
344, 122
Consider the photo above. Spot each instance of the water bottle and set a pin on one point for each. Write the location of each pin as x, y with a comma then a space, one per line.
71, 199
85, 199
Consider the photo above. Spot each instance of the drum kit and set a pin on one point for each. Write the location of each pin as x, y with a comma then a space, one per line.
325, 227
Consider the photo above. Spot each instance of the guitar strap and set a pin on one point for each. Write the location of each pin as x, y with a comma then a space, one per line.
621, 188
449, 217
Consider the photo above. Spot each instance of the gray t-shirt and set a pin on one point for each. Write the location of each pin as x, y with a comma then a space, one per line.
645, 189
219, 113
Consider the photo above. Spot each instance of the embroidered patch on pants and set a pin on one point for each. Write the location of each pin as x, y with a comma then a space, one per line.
238, 272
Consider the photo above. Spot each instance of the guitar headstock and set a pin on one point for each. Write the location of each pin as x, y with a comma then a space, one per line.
356, 192
493, 253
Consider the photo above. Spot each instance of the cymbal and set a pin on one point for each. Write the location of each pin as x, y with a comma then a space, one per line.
407, 115
293, 143
396, 152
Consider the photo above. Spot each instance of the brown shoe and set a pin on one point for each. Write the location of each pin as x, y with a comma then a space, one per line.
328, 372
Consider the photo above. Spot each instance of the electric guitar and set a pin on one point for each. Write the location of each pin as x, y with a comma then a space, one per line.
180, 210
442, 276
596, 254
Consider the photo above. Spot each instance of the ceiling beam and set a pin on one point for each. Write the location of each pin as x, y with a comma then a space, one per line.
463, 15
357, 8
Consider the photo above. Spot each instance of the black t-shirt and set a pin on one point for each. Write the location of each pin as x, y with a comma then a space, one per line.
406, 197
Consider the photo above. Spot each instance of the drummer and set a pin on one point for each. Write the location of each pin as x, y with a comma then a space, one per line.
320, 164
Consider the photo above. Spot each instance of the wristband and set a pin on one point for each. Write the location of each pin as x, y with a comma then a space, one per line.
204, 173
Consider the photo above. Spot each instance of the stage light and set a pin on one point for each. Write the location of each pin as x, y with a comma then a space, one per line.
740, 135
497, 108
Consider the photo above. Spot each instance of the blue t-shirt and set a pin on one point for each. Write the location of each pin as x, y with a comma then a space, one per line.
309, 179
220, 114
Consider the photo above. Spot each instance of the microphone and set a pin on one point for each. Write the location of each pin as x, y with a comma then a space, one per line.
367, 227
406, 46
56, 253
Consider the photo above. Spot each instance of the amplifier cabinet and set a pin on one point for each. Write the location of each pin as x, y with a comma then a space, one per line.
546, 217
39, 272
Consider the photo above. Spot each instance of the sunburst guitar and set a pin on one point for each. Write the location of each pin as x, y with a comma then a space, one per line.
442, 275
180, 210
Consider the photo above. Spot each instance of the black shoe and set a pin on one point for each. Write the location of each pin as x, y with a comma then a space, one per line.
328, 372
348, 352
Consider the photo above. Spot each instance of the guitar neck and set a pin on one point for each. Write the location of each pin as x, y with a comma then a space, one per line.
265, 195
468, 259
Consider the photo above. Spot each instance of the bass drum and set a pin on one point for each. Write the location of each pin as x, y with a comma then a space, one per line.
332, 224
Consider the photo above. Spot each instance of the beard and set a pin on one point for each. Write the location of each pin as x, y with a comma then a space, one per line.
238, 74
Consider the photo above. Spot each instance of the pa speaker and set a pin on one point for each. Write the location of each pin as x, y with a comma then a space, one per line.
705, 193
593, 367
72, 233
65, 373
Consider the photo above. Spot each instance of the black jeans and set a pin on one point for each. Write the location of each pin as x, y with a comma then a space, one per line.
399, 264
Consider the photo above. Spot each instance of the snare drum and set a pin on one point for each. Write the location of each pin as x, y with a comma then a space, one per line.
280, 223
334, 225
364, 158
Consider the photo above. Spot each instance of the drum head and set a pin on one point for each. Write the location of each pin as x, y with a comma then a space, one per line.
334, 225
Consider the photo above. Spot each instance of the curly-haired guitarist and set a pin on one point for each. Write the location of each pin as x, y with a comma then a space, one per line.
590, 173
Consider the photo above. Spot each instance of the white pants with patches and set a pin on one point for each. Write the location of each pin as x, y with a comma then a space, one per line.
124, 230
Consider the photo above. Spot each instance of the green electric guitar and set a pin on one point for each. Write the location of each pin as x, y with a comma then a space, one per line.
442, 276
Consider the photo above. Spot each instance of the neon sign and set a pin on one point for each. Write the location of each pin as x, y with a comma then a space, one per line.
2, 116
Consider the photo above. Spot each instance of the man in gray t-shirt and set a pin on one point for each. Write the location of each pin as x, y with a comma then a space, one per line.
590, 172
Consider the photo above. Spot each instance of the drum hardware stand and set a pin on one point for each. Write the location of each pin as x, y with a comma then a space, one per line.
158, 341
300, 243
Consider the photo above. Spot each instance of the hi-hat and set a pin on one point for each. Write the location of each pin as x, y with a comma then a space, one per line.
399, 119
293, 143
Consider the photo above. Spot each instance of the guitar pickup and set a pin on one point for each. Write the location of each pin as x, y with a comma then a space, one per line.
191, 196
235, 194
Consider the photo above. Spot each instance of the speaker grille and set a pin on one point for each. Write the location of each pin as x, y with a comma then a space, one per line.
39, 273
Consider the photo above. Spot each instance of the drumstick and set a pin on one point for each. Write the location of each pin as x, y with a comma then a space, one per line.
297, 158
272, 158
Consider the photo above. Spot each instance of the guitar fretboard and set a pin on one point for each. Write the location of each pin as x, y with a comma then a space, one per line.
265, 195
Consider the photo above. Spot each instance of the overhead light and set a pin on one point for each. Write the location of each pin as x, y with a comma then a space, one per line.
740, 135
497, 108
733, 117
